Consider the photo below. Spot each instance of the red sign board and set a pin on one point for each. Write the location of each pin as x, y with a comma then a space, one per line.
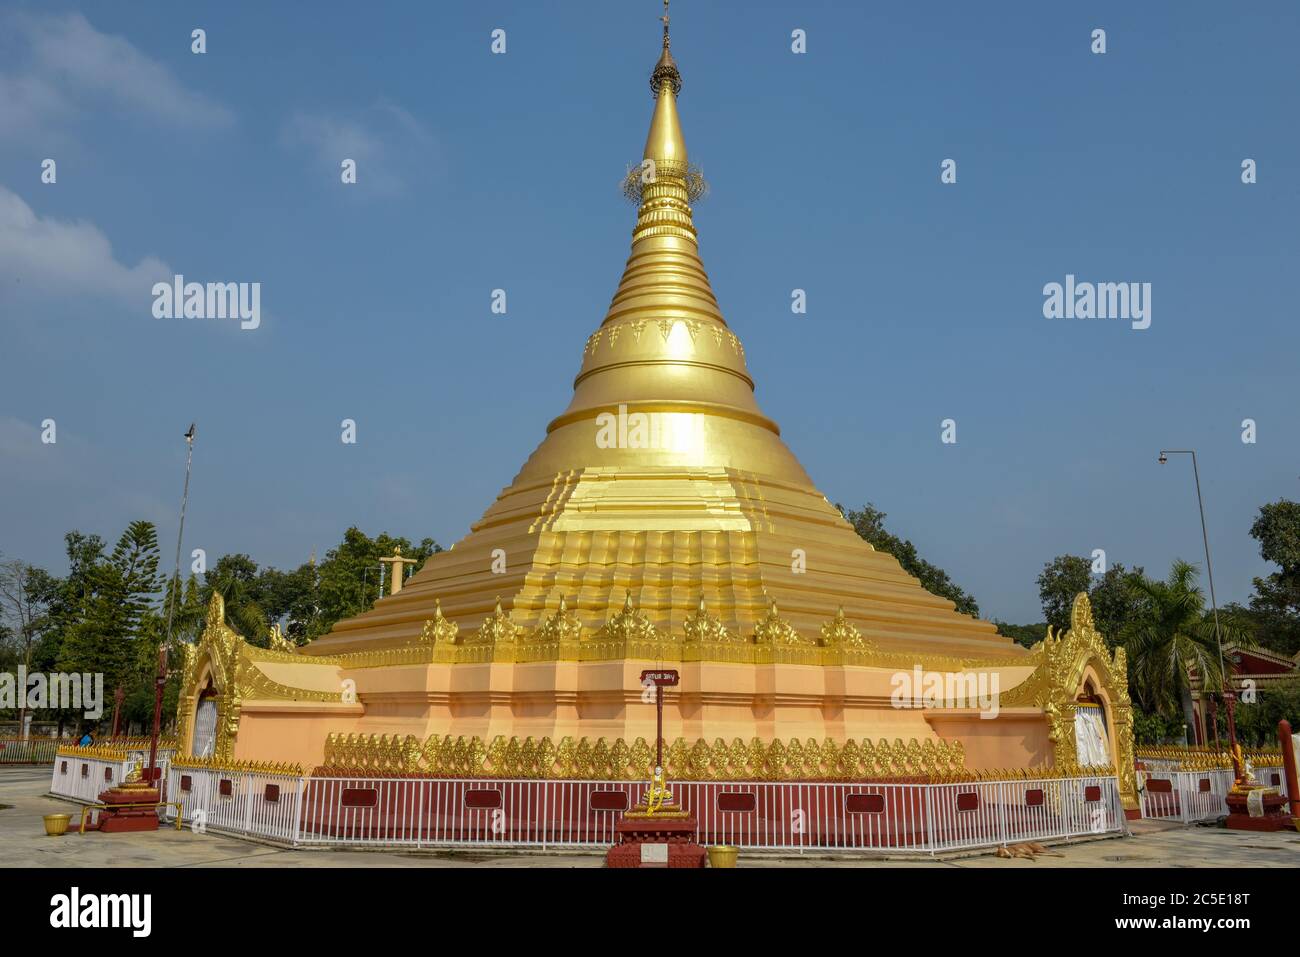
663, 679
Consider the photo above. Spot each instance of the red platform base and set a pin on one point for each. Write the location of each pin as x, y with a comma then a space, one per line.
120, 820
656, 842
1275, 816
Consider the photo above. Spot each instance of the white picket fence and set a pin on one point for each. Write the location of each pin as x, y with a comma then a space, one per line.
809, 816
83, 778
1192, 796
237, 802
1186, 796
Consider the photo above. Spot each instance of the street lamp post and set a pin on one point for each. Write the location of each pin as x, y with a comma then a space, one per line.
160, 676
1229, 696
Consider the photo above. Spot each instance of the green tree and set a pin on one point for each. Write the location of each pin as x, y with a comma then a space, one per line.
1059, 582
112, 620
238, 580
1114, 602
309, 600
1275, 606
1026, 635
1257, 722
869, 522
348, 578
25, 595
1172, 636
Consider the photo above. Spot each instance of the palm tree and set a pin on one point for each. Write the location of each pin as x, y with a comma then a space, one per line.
1171, 636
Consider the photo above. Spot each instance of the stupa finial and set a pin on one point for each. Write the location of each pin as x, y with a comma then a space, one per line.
665, 70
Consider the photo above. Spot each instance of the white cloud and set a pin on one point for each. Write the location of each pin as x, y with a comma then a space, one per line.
45, 255
387, 143
57, 64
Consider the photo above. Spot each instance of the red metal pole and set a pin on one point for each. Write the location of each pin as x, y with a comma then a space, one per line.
659, 727
1288, 765
160, 680
117, 710
1229, 698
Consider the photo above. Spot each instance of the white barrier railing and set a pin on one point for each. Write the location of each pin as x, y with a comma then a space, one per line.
238, 802
1272, 777
83, 778
29, 750
428, 812
1186, 796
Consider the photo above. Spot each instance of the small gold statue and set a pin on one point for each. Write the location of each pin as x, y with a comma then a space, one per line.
134, 780
1246, 776
658, 797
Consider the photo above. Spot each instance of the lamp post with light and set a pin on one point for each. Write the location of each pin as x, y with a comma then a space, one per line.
1229, 697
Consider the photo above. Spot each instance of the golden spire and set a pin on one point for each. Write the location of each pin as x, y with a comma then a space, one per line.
665, 70
665, 145
664, 346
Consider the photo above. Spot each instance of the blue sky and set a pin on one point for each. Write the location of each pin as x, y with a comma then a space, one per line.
481, 171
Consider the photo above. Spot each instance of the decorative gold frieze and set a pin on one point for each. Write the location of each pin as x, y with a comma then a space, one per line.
137, 743
792, 760
237, 767
619, 760
629, 634
103, 752
1207, 758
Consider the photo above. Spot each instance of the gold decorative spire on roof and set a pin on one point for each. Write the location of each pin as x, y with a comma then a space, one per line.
665, 70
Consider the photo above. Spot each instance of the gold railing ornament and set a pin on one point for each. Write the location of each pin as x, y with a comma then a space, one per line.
775, 630
1207, 758
497, 628
213, 763
630, 634
563, 626
839, 632
619, 760
104, 752
630, 626
438, 630
701, 627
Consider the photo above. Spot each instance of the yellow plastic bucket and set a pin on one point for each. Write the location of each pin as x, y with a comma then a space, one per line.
723, 856
56, 825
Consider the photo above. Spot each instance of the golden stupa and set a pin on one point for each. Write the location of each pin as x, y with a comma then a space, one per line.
661, 521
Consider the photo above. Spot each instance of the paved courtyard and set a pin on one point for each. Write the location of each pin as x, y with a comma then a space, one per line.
23, 843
